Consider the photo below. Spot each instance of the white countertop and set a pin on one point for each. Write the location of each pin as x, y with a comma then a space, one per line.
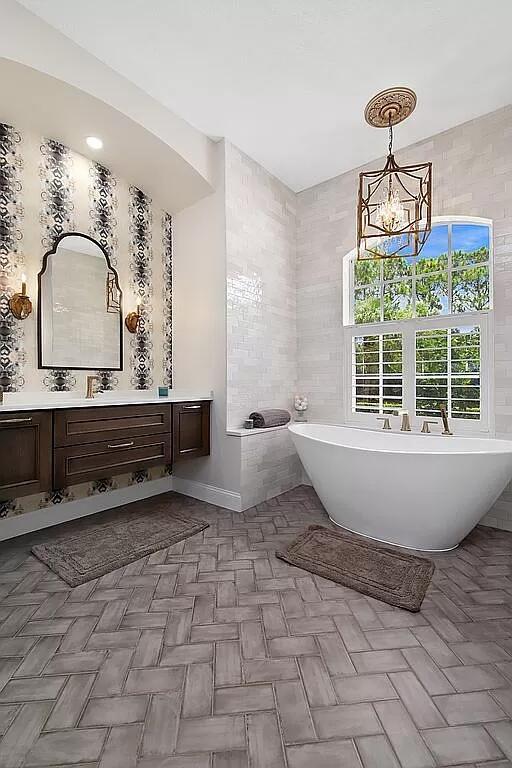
242, 432
48, 401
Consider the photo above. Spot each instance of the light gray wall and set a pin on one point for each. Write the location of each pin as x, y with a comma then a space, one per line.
261, 283
200, 327
261, 320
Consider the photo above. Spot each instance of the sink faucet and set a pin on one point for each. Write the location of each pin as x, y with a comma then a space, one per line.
444, 418
91, 381
385, 420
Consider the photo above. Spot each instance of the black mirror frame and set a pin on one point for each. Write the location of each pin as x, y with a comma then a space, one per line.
46, 256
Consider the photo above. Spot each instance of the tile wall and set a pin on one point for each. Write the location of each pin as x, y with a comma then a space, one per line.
261, 319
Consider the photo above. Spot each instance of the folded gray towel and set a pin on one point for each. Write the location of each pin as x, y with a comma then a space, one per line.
270, 417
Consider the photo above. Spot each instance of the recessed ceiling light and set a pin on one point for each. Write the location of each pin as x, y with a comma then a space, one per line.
94, 143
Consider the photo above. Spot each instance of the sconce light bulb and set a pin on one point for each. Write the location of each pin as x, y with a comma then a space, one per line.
94, 142
23, 277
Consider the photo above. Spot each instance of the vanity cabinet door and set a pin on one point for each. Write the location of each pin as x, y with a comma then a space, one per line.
94, 461
190, 430
25, 453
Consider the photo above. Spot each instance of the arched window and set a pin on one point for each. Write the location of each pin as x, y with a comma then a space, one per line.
417, 329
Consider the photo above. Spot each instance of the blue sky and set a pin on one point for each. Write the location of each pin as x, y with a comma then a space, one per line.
437, 242
468, 237
465, 237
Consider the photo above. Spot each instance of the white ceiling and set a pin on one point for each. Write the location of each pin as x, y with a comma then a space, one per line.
287, 80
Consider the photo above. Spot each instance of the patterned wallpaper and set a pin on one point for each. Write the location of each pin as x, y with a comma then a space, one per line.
47, 189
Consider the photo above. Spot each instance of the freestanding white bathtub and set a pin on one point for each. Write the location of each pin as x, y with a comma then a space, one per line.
420, 491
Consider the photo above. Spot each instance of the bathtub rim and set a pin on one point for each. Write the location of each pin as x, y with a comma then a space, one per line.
293, 428
390, 543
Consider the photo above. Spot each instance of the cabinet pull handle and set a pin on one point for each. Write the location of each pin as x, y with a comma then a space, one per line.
16, 421
190, 407
122, 445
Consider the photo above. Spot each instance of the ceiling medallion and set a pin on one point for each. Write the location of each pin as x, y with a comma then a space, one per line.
394, 208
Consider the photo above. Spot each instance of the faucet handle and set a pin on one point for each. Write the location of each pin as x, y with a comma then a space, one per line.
385, 420
425, 428
91, 389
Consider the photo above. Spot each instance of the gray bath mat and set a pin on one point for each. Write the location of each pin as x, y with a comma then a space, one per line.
83, 550
387, 574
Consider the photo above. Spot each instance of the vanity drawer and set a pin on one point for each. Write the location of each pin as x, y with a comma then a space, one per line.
191, 430
25, 453
95, 461
78, 426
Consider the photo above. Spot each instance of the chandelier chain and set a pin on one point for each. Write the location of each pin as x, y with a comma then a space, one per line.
390, 145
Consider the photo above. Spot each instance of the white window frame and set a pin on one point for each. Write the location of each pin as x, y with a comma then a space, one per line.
408, 328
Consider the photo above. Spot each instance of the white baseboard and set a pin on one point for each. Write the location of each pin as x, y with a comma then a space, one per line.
210, 493
70, 510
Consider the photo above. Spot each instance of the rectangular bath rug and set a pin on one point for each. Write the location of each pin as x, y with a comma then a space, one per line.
96, 545
387, 574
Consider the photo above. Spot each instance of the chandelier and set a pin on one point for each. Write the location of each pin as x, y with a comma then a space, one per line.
395, 203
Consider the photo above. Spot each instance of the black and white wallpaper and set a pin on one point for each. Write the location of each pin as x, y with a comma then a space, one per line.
141, 264
167, 297
12, 357
47, 189
103, 204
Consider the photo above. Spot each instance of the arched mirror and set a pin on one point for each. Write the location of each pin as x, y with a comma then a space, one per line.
79, 313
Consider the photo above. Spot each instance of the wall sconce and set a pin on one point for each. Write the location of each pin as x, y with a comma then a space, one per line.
19, 303
132, 319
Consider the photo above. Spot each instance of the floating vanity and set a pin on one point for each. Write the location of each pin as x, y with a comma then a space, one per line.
54, 443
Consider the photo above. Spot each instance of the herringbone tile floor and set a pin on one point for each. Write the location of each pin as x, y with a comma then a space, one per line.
214, 654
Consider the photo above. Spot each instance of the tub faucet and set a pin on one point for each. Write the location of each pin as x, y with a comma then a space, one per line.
385, 420
444, 418
406, 424
426, 428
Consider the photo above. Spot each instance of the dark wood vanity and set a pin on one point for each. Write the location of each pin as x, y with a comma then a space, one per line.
43, 450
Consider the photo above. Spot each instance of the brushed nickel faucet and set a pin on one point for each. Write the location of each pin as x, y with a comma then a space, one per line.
426, 428
406, 423
444, 417
91, 381
385, 420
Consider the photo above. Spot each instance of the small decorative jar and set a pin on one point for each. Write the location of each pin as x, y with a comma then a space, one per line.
301, 405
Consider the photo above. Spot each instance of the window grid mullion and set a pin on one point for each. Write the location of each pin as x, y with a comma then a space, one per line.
381, 373
450, 263
449, 371
409, 369
381, 289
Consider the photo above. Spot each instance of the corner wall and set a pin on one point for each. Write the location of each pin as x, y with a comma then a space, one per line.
235, 328
200, 333
261, 320
261, 289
